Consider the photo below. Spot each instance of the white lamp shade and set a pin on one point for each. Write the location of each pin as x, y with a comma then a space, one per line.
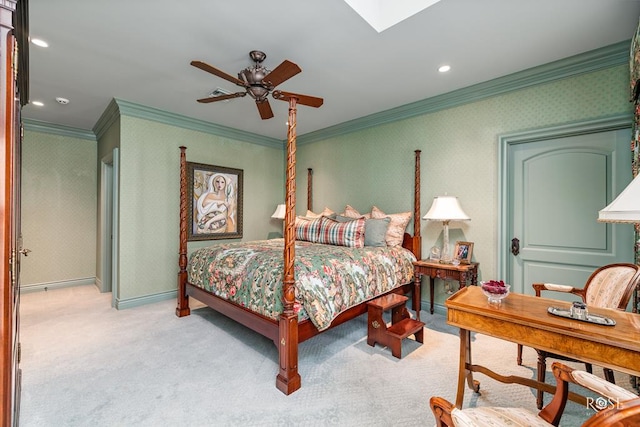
626, 207
446, 208
280, 211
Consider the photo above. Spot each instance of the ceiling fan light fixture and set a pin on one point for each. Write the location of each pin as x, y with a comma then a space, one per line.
258, 82
258, 93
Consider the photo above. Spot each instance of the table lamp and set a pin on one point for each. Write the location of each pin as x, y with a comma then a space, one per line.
626, 207
445, 209
279, 213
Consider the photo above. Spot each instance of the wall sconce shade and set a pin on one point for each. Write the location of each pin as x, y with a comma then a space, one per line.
626, 207
280, 211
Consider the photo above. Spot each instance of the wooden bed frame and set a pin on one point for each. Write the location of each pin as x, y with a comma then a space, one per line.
286, 332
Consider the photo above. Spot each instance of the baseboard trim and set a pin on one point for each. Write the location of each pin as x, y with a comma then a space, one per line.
38, 287
122, 304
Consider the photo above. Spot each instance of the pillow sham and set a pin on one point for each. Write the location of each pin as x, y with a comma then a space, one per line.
350, 212
325, 212
397, 225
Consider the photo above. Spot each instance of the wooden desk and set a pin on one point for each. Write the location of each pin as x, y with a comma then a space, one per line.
462, 273
524, 319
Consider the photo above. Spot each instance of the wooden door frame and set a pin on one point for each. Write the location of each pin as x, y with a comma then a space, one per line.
505, 144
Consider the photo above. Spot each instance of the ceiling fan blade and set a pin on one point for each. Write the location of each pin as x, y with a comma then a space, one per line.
264, 108
282, 72
209, 69
308, 100
221, 97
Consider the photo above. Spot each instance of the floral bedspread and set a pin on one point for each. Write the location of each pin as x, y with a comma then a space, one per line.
329, 279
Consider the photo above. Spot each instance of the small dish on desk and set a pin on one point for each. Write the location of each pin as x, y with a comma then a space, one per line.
588, 317
495, 290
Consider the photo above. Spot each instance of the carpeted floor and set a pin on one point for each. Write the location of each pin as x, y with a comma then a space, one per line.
86, 364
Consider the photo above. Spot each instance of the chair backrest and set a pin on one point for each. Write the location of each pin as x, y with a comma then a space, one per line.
611, 286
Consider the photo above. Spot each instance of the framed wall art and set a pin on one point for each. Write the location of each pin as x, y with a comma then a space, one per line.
215, 208
463, 252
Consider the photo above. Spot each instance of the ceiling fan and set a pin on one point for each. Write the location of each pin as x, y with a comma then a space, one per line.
258, 82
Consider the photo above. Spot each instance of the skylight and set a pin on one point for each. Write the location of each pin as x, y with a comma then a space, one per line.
382, 14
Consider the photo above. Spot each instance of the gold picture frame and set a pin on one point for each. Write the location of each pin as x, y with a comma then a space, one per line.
215, 208
463, 252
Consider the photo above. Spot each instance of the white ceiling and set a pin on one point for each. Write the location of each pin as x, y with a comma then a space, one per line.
140, 50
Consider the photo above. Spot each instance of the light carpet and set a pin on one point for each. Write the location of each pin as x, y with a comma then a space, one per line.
87, 364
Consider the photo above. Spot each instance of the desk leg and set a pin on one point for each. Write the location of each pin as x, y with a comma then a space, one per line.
432, 285
463, 372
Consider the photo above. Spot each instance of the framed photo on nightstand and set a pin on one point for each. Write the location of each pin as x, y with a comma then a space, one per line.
463, 252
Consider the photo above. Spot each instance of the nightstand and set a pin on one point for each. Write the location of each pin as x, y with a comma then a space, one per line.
464, 274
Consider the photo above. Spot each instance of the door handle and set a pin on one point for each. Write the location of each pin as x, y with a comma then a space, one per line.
515, 246
25, 251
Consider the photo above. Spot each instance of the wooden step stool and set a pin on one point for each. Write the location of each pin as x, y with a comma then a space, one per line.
402, 325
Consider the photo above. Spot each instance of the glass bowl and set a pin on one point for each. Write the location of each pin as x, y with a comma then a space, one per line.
493, 292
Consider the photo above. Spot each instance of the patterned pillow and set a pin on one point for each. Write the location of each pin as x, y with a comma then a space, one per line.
325, 212
350, 234
353, 213
398, 224
307, 229
331, 232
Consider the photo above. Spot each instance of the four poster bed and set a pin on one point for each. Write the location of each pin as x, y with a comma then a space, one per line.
309, 292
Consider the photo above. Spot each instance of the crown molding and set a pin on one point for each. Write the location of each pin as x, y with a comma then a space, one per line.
131, 109
598, 59
595, 60
50, 128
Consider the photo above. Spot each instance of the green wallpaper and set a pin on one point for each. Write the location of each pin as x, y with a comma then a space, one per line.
149, 197
373, 166
58, 209
459, 155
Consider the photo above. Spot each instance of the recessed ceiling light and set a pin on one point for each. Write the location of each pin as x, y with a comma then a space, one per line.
444, 68
40, 42
37, 103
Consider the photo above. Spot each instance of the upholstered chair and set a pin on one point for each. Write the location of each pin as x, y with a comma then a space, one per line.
610, 286
622, 406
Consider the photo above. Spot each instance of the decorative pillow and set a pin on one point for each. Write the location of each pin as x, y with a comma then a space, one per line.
325, 212
307, 229
353, 213
398, 224
350, 234
331, 232
375, 231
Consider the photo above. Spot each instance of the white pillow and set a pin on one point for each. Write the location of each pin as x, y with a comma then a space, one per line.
325, 212
351, 212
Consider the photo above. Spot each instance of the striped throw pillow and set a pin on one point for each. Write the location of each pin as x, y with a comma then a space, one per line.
307, 229
350, 234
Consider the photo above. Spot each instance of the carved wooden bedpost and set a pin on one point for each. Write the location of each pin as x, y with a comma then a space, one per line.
183, 300
309, 189
416, 210
288, 379
417, 239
